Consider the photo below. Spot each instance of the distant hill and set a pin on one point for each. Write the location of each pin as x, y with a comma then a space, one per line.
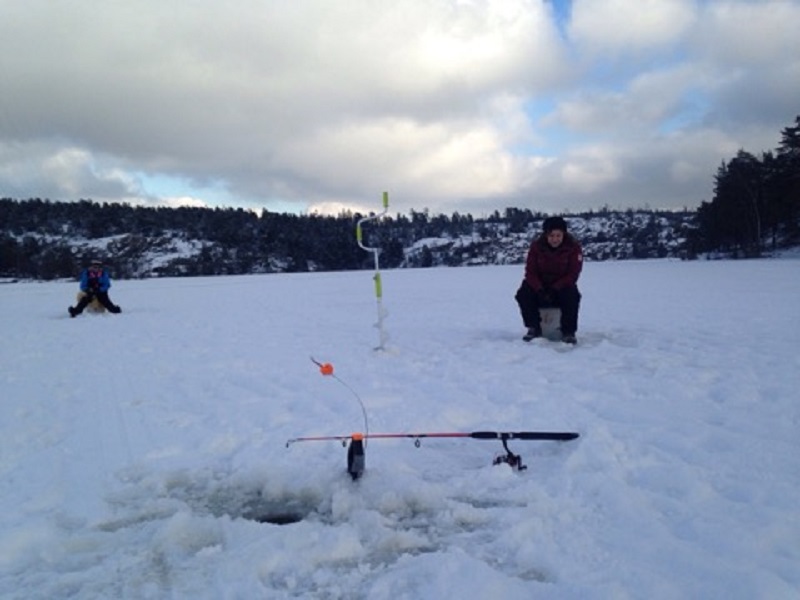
40, 239
610, 235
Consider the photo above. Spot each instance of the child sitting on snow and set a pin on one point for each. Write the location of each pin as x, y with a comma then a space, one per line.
94, 284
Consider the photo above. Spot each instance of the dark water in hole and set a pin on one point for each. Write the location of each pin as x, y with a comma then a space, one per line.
277, 518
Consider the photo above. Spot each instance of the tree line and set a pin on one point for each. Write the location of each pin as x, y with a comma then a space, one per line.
42, 239
756, 203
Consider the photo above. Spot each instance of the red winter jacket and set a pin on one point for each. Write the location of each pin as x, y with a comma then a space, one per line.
554, 268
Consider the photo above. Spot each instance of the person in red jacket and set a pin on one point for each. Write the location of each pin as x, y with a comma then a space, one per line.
554, 263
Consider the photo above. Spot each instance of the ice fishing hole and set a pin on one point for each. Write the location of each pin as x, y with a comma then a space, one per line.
275, 512
278, 518
256, 504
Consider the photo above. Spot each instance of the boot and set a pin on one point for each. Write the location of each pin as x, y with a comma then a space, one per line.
533, 333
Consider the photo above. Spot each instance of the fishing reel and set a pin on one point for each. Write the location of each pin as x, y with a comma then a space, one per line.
509, 458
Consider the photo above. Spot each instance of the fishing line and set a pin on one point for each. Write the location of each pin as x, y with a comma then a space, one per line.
326, 369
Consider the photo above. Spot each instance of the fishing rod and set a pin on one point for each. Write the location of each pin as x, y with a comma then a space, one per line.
560, 436
356, 458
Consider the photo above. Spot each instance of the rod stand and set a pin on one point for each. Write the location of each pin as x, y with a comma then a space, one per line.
356, 459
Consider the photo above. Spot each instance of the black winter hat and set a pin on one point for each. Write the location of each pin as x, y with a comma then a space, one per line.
551, 223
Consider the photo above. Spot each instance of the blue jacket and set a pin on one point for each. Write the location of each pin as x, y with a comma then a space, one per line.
95, 281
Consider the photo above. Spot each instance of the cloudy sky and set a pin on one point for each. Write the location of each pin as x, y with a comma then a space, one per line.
450, 105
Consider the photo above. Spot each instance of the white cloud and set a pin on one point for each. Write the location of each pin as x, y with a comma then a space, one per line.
63, 172
305, 103
630, 28
590, 169
647, 100
746, 34
419, 159
177, 201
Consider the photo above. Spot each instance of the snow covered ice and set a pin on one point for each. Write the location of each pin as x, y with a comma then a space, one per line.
139, 453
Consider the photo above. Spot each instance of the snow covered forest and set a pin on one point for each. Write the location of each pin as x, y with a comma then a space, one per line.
49, 240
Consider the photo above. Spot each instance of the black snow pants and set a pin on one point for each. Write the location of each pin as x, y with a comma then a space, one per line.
102, 297
567, 299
